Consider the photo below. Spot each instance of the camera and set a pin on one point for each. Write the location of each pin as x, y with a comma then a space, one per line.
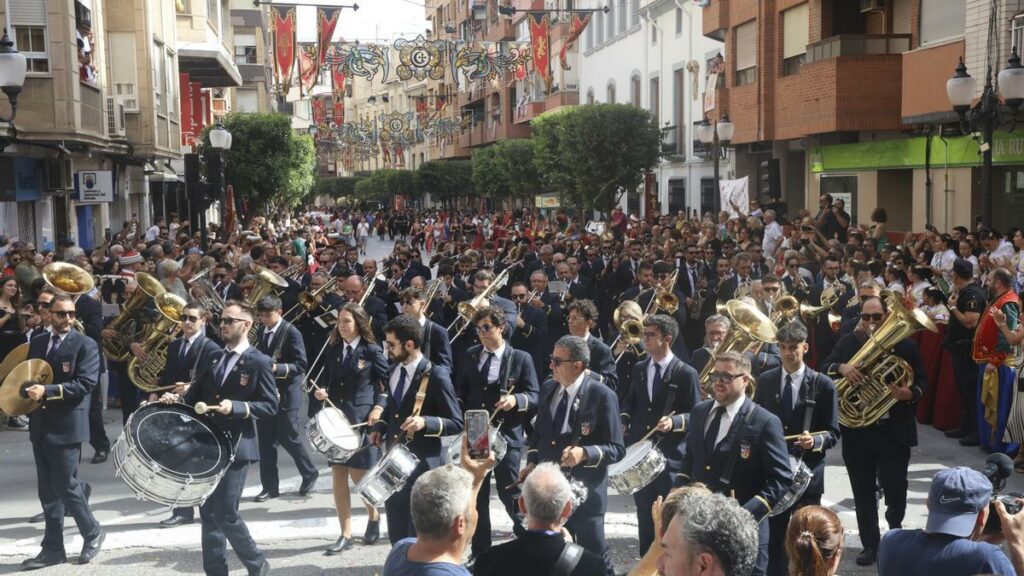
999, 467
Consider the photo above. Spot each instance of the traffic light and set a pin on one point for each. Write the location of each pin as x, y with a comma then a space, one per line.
771, 181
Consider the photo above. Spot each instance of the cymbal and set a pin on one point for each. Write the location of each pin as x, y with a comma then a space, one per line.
13, 358
28, 373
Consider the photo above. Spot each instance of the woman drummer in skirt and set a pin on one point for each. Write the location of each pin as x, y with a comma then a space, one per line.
354, 366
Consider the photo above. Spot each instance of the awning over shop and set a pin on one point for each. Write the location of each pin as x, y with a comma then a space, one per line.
960, 151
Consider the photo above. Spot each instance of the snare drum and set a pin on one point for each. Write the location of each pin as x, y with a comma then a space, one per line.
802, 476
170, 455
498, 445
638, 468
387, 476
331, 434
579, 493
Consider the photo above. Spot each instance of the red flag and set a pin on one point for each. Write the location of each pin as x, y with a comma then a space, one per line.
575, 30
308, 69
327, 21
337, 79
540, 44
229, 211
319, 111
284, 45
339, 110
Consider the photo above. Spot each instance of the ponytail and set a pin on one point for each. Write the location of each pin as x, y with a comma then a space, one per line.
814, 538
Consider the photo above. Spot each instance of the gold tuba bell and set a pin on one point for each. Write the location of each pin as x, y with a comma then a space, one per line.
158, 337
785, 309
862, 405
70, 279
750, 329
124, 325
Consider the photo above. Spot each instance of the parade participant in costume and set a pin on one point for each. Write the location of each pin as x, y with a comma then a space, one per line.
993, 354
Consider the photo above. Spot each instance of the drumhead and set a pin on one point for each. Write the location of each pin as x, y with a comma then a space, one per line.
634, 455
335, 426
180, 440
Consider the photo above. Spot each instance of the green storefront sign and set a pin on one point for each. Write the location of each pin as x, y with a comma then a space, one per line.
961, 151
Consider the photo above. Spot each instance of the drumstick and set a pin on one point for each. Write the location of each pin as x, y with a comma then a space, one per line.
792, 437
202, 408
655, 429
495, 413
171, 387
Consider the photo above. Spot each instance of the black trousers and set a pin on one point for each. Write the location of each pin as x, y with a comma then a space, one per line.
126, 391
398, 508
284, 429
965, 369
97, 433
869, 455
587, 525
60, 489
778, 564
644, 499
222, 524
505, 474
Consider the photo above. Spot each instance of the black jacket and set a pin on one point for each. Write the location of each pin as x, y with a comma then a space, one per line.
532, 553
640, 413
436, 346
64, 416
353, 386
602, 362
288, 352
521, 381
200, 354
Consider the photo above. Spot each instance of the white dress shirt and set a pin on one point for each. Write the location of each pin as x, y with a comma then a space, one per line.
495, 367
797, 379
664, 371
410, 370
233, 359
730, 414
557, 397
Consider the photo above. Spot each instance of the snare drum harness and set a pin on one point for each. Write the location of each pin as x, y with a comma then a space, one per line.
421, 395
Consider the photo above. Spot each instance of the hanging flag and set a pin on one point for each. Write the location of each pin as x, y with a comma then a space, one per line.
326, 22
339, 110
539, 25
284, 46
337, 78
575, 30
229, 211
319, 112
309, 71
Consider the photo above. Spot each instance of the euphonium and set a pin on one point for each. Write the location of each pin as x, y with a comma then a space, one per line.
124, 325
750, 329
862, 405
70, 279
158, 338
784, 309
203, 290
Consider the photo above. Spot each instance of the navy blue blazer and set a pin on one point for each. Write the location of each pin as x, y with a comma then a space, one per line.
522, 381
640, 412
202, 353
64, 416
377, 309
436, 345
594, 416
824, 419
250, 387
602, 362
762, 472
353, 386
440, 411
288, 352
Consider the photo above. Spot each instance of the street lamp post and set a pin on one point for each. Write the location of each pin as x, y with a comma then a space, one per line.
12, 74
220, 141
986, 115
717, 136
203, 192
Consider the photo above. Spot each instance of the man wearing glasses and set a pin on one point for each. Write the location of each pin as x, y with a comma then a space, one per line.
223, 279
736, 447
57, 430
882, 450
436, 345
531, 331
238, 386
497, 378
185, 358
664, 391
578, 426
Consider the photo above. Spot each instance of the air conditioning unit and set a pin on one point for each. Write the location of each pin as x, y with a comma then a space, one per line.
871, 6
115, 117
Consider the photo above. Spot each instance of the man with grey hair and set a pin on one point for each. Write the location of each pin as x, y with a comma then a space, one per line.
578, 426
715, 329
443, 509
772, 236
709, 534
547, 503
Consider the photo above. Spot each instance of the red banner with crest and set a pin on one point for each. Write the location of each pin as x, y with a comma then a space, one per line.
540, 44
284, 45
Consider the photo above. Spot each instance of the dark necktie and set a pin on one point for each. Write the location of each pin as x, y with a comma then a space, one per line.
346, 356
787, 400
54, 345
184, 350
400, 389
266, 341
560, 410
222, 370
656, 382
710, 439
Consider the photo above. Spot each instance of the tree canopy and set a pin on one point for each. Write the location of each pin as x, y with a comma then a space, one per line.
506, 170
447, 180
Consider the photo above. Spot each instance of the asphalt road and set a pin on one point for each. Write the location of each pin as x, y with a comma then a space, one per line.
294, 530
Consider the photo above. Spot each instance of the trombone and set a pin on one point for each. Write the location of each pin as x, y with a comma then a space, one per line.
468, 309
310, 301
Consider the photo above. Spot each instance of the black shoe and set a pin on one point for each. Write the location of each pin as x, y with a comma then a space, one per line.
92, 547
43, 560
100, 457
958, 433
970, 441
866, 557
176, 520
372, 532
307, 484
266, 495
41, 517
263, 571
338, 547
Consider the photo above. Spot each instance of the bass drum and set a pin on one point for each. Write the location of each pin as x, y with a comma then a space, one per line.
170, 455
802, 475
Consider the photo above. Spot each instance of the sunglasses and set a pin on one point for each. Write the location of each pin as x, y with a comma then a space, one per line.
64, 313
519, 296
42, 304
771, 288
723, 376
228, 321
870, 317
484, 329
189, 319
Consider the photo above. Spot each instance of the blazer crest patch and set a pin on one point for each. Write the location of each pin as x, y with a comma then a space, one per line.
66, 367
745, 450
585, 428
243, 379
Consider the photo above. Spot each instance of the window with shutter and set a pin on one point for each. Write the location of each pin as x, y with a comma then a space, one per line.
942, 20
27, 18
246, 100
795, 26
245, 49
745, 49
123, 70
159, 79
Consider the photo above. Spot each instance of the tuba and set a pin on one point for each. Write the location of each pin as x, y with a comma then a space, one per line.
203, 290
750, 329
862, 405
125, 325
158, 337
785, 309
70, 279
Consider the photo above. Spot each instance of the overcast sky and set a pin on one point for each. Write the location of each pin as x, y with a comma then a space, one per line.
375, 19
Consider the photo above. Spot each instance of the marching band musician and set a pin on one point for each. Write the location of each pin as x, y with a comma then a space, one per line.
693, 275
436, 346
583, 319
354, 365
402, 416
549, 304
578, 288
531, 331
239, 388
644, 283
376, 309
824, 337
804, 400
716, 328
494, 376
664, 391
57, 430
578, 426
290, 295
224, 279
315, 331
737, 448
881, 450
282, 342
185, 358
